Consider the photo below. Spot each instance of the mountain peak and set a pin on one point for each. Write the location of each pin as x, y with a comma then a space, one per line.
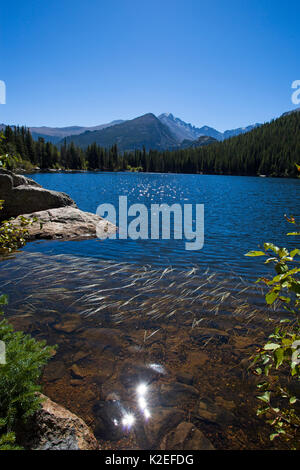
167, 115
145, 131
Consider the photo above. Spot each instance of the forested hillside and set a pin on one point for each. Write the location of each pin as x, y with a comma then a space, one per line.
271, 149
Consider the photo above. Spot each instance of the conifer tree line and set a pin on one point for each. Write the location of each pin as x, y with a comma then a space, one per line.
272, 149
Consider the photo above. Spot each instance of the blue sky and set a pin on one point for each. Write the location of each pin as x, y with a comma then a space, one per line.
223, 63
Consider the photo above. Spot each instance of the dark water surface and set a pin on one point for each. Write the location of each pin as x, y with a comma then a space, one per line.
151, 335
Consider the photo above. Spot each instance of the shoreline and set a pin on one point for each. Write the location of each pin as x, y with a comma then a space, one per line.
64, 171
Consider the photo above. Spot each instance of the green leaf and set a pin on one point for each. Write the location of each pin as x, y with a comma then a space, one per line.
271, 346
270, 246
283, 252
293, 400
3, 300
255, 253
279, 356
271, 296
265, 397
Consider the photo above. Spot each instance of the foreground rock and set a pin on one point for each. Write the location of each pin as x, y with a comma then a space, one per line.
55, 428
65, 223
23, 195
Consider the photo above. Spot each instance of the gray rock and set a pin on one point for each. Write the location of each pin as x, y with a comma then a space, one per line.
6, 183
57, 214
22, 195
186, 437
65, 223
18, 180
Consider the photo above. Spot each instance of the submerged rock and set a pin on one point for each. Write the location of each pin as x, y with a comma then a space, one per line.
177, 393
55, 370
186, 437
150, 434
132, 374
203, 335
185, 378
111, 339
53, 427
69, 323
213, 413
108, 417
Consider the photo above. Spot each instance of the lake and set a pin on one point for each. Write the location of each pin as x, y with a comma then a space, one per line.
240, 214
147, 314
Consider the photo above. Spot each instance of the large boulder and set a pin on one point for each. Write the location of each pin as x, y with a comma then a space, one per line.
55, 428
23, 195
65, 223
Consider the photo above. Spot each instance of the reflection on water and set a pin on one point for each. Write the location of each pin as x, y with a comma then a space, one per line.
148, 337
142, 350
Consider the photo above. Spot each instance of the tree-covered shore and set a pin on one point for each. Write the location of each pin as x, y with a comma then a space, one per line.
271, 150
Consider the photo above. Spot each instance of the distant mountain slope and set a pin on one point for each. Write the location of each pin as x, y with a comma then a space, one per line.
271, 149
297, 110
145, 131
185, 131
239, 130
203, 140
55, 134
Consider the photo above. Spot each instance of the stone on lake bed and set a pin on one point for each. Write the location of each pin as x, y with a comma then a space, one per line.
132, 374
55, 370
100, 370
177, 393
68, 324
211, 412
185, 378
186, 437
202, 335
78, 372
149, 434
108, 417
105, 339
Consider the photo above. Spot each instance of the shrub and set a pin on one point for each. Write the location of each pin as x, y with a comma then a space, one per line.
25, 357
19, 377
278, 361
13, 236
